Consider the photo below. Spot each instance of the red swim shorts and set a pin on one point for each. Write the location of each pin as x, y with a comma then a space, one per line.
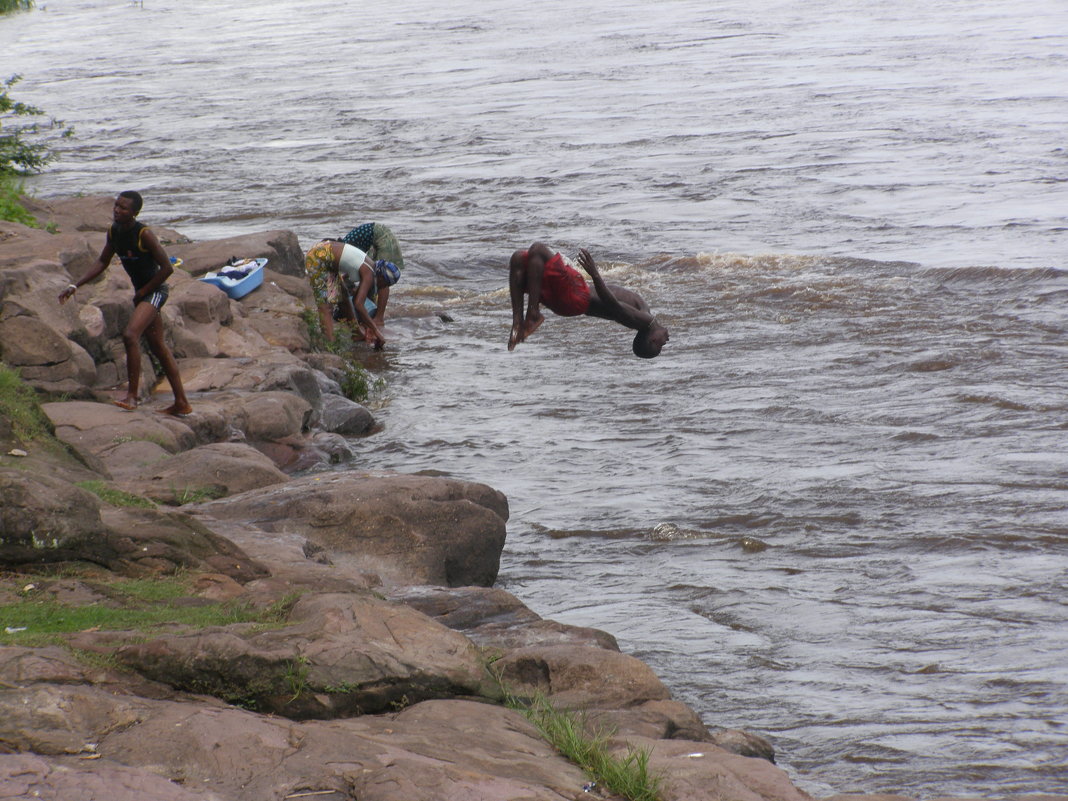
562, 288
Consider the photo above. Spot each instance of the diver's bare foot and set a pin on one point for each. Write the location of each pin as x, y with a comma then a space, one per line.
127, 403
177, 409
513, 338
532, 325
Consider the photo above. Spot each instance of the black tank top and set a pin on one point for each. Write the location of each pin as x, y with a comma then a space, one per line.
136, 260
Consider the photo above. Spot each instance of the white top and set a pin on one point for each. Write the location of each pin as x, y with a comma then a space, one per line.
349, 263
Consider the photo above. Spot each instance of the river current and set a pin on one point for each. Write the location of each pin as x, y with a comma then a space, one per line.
834, 512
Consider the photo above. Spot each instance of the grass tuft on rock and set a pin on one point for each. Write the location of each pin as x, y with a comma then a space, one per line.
115, 497
356, 381
566, 731
187, 495
19, 406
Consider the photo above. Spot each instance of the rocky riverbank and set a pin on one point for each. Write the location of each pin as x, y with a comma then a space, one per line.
369, 656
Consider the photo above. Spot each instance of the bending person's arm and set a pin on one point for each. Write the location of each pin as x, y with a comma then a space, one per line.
380, 312
367, 277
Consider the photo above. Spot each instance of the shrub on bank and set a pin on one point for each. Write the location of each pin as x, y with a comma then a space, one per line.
7, 6
25, 143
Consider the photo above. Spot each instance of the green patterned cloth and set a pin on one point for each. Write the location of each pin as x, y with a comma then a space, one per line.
377, 241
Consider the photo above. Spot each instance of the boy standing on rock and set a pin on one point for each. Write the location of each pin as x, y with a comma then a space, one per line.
149, 267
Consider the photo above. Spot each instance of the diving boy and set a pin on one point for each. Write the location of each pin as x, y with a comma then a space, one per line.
546, 278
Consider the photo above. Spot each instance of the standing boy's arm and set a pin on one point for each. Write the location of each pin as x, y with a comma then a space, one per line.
160, 255
624, 314
101, 264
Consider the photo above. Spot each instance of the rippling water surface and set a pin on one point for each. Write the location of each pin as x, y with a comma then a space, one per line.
835, 511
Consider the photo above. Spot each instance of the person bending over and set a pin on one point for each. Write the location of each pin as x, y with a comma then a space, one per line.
344, 277
545, 277
148, 266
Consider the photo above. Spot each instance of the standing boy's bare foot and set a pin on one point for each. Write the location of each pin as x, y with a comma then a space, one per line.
177, 409
127, 403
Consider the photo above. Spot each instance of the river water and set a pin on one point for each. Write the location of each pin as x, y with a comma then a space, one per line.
835, 511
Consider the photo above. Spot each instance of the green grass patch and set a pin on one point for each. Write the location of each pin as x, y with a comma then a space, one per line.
143, 605
155, 589
114, 496
18, 403
46, 622
566, 731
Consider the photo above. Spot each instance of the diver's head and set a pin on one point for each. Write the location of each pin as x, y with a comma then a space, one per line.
649, 342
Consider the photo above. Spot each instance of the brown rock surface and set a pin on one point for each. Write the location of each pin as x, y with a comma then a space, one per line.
280, 248
341, 655
218, 469
409, 529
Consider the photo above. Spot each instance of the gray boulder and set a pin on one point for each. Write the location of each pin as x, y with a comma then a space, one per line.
409, 529
342, 655
218, 469
339, 415
44, 357
45, 520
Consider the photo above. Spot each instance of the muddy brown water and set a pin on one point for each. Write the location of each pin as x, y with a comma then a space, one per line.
851, 218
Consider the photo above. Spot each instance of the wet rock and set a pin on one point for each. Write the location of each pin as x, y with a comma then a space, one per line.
744, 743
340, 415
657, 720
334, 447
496, 619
